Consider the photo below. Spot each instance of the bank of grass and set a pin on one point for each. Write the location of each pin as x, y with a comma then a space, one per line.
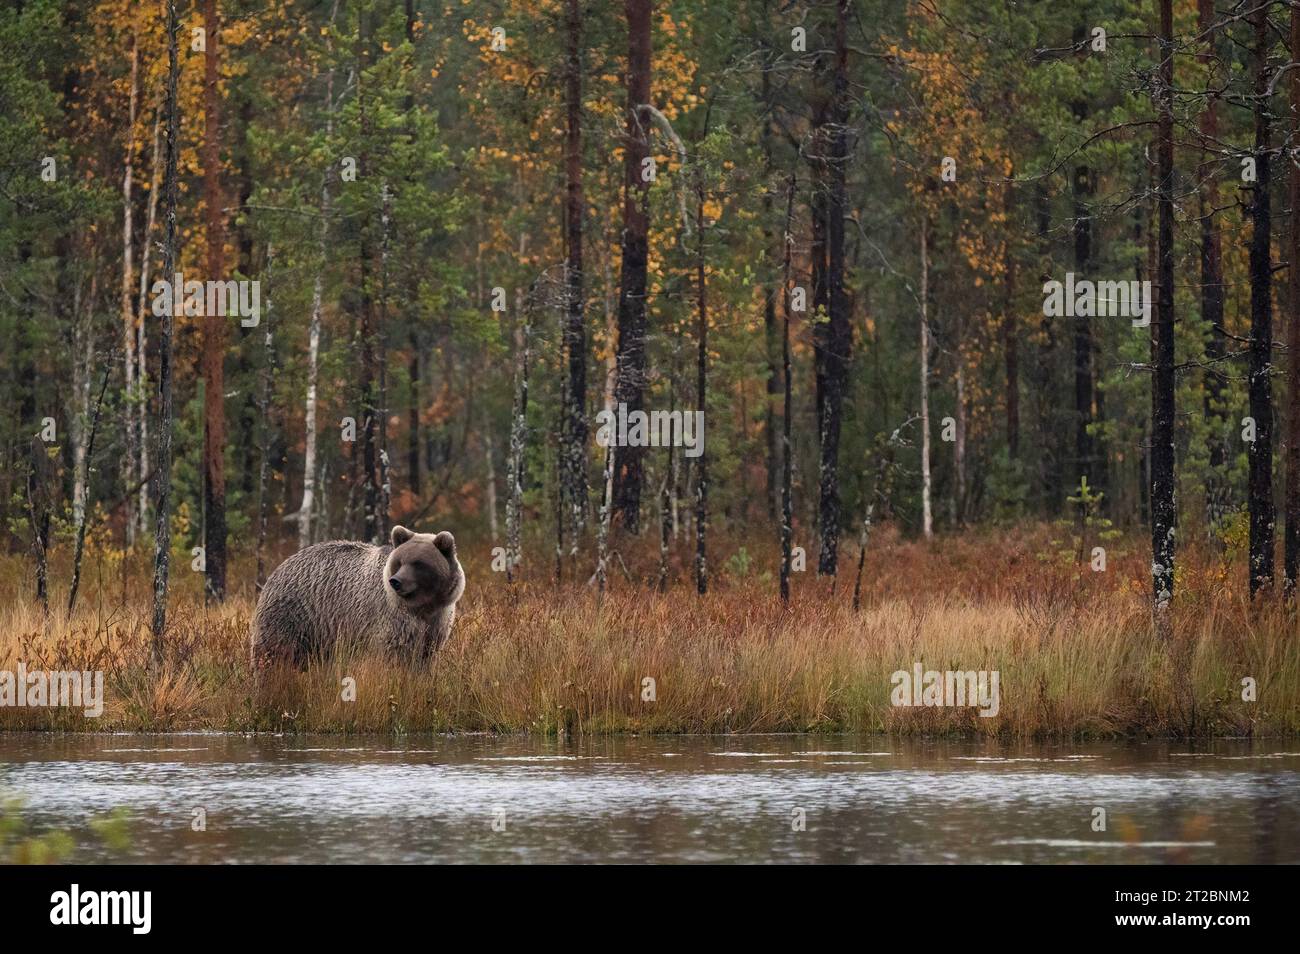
1075, 650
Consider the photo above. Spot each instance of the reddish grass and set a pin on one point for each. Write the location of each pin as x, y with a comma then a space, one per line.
1075, 649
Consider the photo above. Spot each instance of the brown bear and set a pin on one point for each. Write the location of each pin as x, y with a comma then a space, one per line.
400, 599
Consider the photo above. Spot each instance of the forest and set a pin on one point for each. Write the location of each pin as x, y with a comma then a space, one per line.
965, 331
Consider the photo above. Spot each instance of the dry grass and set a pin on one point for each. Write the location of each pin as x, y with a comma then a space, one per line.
1075, 651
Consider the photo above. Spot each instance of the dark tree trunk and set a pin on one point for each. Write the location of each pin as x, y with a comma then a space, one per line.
701, 400
772, 391
163, 431
575, 332
817, 264
214, 326
666, 491
1163, 506
366, 331
38, 517
787, 517
1010, 348
518, 439
266, 431
1145, 233
1212, 286
1292, 550
1260, 451
84, 518
927, 517
629, 386
837, 337
558, 492
130, 463
1081, 191
415, 472
1042, 385
381, 366
773, 384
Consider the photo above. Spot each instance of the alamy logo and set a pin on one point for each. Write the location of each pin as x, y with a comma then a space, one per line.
653, 429
53, 688
103, 907
196, 299
933, 688
1089, 299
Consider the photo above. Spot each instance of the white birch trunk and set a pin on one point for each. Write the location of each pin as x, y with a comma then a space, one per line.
128, 303
518, 440
141, 341
491, 479
308, 505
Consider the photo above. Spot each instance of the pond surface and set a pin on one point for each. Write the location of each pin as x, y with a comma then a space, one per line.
657, 799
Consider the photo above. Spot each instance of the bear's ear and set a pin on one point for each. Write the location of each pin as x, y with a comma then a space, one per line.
400, 535
446, 543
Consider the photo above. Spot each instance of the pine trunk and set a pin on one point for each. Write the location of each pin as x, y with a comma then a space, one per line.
1291, 559
264, 395
163, 454
366, 331
1082, 196
787, 516
701, 401
575, 332
1260, 451
838, 337
1011, 354
129, 359
1212, 288
518, 444
141, 339
629, 388
308, 506
1163, 505
214, 326
927, 514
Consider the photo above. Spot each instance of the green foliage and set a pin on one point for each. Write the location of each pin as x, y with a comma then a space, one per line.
738, 564
19, 845
1087, 528
459, 154
1009, 489
1234, 534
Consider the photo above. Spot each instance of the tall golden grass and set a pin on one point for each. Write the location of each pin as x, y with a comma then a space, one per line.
1075, 650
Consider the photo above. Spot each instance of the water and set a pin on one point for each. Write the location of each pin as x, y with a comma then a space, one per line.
677, 799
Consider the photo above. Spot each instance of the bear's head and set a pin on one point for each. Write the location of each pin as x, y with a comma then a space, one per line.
422, 573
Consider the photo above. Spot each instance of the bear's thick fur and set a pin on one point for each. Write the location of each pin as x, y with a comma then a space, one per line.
400, 599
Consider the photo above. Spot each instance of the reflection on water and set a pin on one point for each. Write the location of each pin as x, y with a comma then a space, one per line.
696, 799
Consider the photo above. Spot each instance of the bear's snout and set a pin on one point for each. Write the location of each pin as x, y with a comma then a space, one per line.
396, 584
